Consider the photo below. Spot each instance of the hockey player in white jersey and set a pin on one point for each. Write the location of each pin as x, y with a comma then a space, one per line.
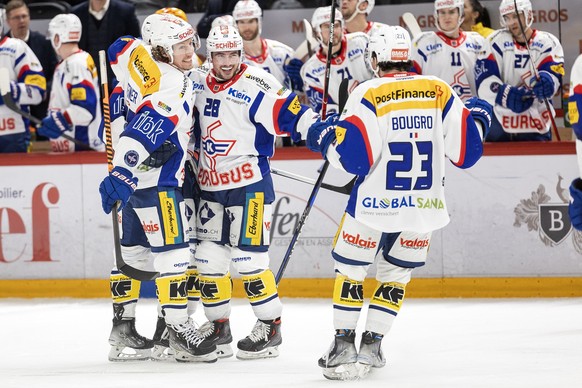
505, 76
27, 87
270, 55
347, 60
75, 104
240, 109
147, 180
574, 110
395, 133
449, 53
355, 14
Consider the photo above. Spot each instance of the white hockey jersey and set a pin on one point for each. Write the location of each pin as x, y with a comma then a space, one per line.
75, 92
452, 60
370, 29
395, 133
236, 123
349, 63
273, 57
158, 102
575, 106
509, 62
25, 69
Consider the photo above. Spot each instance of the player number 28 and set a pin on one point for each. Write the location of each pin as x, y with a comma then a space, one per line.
397, 170
211, 108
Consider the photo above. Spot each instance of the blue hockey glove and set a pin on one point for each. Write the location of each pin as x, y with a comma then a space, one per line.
481, 111
321, 134
575, 208
293, 70
518, 100
117, 186
544, 87
53, 125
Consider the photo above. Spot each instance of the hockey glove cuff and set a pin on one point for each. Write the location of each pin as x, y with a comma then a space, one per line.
14, 91
117, 186
293, 70
575, 208
481, 111
321, 134
544, 87
53, 125
518, 100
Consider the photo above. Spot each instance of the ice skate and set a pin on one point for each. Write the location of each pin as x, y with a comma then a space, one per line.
126, 343
218, 332
370, 354
263, 342
162, 350
339, 362
188, 345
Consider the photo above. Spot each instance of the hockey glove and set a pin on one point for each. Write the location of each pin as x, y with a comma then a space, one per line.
14, 93
117, 186
53, 125
518, 100
293, 70
575, 208
481, 111
544, 87
321, 134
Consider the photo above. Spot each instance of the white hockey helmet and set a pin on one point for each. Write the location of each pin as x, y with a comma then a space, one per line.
224, 38
67, 26
389, 44
446, 4
323, 15
166, 30
524, 6
367, 10
224, 20
248, 9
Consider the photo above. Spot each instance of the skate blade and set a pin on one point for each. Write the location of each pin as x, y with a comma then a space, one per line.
363, 370
270, 352
343, 372
162, 353
182, 356
224, 351
124, 354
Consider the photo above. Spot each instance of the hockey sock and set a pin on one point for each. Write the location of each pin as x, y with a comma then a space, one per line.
348, 299
125, 293
193, 288
216, 293
261, 291
384, 306
172, 296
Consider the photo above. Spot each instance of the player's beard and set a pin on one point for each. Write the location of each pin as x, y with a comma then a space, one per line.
250, 35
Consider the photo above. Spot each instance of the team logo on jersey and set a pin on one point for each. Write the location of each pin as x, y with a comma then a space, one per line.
213, 147
548, 218
131, 158
460, 86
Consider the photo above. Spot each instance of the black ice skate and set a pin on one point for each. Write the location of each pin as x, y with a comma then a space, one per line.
188, 345
263, 342
339, 362
162, 350
370, 354
218, 332
126, 343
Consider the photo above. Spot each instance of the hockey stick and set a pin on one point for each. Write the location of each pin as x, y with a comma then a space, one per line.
122, 266
345, 189
342, 98
13, 106
412, 24
535, 70
305, 49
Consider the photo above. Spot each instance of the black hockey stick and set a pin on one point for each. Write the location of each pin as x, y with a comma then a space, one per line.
122, 266
345, 189
535, 70
13, 106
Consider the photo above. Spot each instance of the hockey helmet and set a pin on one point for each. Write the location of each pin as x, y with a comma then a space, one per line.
2, 16
321, 16
247, 9
224, 38
367, 10
446, 4
174, 11
166, 30
224, 20
524, 6
389, 44
68, 28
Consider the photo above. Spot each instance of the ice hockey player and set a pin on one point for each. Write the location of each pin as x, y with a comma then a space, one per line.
505, 77
75, 101
348, 60
449, 53
147, 180
27, 87
574, 109
240, 109
395, 133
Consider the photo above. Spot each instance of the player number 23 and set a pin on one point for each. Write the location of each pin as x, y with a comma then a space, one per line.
398, 172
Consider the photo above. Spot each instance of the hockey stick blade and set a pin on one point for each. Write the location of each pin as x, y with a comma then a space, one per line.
345, 189
412, 24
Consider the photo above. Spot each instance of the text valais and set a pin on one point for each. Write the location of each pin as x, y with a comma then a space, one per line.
358, 240
414, 244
